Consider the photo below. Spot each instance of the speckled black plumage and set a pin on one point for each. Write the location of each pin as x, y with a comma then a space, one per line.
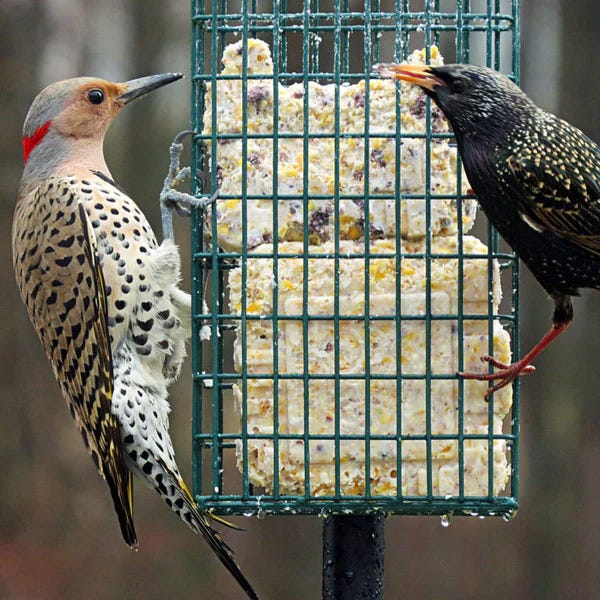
536, 177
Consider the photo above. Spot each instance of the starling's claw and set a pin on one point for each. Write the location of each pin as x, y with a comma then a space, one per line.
496, 387
527, 370
506, 375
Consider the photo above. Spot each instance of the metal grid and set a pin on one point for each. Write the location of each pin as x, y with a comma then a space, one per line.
329, 42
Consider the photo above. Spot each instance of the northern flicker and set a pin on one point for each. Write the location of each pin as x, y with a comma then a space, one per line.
103, 296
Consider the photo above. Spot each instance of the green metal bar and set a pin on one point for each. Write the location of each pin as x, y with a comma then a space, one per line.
198, 291
428, 373
275, 345
337, 60
307, 67
355, 436
408, 505
399, 55
516, 299
367, 258
460, 425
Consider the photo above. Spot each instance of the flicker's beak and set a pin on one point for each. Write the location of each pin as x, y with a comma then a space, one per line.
139, 87
410, 73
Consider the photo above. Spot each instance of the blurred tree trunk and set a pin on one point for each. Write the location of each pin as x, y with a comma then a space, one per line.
580, 105
145, 139
579, 77
560, 402
20, 59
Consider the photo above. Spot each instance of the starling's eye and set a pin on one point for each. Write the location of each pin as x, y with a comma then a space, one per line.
458, 85
96, 96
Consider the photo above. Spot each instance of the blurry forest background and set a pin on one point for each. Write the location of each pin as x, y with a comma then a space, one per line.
59, 538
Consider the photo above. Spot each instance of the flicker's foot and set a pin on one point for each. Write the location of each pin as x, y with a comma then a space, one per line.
170, 197
507, 373
182, 202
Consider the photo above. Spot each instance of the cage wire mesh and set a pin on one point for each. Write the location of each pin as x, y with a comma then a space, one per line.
343, 397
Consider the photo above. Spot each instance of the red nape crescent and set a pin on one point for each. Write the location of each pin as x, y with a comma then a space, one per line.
29, 143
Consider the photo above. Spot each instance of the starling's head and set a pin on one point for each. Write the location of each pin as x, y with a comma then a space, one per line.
474, 99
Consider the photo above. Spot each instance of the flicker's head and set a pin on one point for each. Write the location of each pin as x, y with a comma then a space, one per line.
82, 108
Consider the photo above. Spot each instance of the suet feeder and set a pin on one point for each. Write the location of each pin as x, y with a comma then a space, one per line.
342, 277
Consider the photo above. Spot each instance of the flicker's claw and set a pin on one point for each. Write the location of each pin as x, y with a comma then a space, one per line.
182, 135
181, 176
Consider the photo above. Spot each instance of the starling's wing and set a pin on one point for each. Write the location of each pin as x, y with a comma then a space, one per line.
61, 283
561, 192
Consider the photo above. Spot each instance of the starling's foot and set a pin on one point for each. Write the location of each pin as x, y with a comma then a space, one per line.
507, 373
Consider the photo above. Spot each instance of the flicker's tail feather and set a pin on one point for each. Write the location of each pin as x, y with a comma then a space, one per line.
149, 451
224, 554
183, 503
125, 516
187, 509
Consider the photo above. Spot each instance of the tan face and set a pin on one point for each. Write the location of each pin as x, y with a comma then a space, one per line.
90, 109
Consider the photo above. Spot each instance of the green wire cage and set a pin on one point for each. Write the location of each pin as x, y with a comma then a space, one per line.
339, 400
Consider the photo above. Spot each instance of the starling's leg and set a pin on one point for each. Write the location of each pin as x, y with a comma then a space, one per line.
509, 373
561, 319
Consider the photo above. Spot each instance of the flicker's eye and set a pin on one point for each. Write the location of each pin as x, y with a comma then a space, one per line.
96, 96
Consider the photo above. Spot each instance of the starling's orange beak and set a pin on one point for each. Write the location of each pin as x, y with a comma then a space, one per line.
411, 74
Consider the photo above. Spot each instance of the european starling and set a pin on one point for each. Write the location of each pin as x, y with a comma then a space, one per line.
536, 177
104, 297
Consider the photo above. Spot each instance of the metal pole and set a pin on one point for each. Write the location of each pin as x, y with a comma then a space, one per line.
353, 551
